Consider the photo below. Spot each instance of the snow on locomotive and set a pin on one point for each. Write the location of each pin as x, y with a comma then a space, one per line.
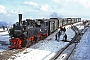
27, 32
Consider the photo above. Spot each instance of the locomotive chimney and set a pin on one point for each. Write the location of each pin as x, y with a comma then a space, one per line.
20, 19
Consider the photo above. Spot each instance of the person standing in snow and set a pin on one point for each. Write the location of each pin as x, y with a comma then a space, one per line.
65, 37
58, 34
64, 29
61, 28
7, 27
3, 27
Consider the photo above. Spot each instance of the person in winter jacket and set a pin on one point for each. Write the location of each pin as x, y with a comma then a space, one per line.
65, 37
64, 29
56, 36
59, 33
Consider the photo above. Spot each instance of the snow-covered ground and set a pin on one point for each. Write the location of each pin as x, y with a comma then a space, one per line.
3, 32
4, 38
42, 49
82, 51
1, 29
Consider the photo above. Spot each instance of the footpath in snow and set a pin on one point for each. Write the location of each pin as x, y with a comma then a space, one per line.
82, 51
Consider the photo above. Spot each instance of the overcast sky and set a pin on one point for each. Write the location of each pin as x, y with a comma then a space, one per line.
9, 9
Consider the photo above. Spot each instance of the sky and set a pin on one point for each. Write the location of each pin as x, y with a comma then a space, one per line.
9, 9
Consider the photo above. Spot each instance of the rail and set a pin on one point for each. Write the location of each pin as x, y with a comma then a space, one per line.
75, 40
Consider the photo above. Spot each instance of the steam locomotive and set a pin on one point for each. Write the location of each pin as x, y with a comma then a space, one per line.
27, 32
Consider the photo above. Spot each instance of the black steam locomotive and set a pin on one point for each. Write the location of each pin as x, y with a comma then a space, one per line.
27, 32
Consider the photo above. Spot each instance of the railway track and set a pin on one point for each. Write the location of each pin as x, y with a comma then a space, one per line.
8, 53
65, 52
